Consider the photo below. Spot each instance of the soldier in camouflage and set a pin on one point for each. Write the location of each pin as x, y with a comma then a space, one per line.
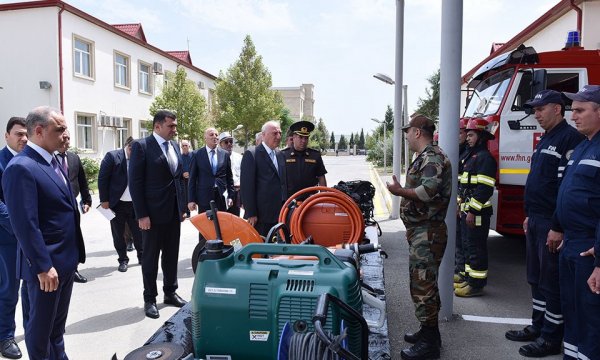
425, 199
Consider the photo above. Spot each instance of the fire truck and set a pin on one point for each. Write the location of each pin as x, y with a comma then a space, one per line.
497, 92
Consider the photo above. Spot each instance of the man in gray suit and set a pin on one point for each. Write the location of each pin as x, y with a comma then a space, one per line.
263, 183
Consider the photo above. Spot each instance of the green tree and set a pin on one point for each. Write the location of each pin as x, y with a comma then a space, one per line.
285, 121
181, 96
332, 141
318, 138
342, 145
361, 140
244, 95
351, 140
430, 106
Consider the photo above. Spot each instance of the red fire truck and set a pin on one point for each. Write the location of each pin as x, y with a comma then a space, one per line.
497, 93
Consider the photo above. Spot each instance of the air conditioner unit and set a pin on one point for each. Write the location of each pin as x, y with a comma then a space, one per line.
157, 68
104, 120
201, 84
116, 121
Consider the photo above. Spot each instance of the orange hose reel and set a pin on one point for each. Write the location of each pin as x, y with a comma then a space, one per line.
329, 216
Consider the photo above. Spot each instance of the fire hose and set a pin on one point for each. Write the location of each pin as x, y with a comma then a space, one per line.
326, 195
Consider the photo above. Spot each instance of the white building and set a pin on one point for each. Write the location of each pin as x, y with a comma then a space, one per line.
103, 77
299, 100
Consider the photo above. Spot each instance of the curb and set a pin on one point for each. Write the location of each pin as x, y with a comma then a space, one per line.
380, 185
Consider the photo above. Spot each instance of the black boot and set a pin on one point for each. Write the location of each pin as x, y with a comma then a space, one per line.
427, 347
414, 337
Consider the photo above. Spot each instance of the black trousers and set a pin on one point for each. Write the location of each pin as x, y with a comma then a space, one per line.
235, 208
124, 215
475, 248
160, 238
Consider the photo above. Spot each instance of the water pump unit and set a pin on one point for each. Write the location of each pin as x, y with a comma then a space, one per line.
241, 303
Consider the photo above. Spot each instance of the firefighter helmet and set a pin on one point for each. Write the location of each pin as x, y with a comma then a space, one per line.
462, 124
480, 125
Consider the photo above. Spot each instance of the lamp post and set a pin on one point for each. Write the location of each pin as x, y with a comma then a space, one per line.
236, 129
384, 143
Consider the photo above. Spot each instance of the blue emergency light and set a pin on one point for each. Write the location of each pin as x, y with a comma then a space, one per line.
573, 39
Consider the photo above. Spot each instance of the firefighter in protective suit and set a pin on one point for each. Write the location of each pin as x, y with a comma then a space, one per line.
476, 188
463, 151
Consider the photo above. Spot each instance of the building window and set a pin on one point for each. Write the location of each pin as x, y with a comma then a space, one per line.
123, 133
145, 85
167, 78
122, 66
85, 131
83, 58
145, 126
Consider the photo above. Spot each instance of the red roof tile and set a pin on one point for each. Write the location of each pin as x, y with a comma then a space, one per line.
134, 30
182, 55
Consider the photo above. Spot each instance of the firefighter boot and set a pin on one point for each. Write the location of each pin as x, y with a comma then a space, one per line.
457, 278
427, 347
468, 291
414, 337
458, 285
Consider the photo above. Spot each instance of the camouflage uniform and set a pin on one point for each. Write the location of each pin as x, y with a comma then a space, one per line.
430, 175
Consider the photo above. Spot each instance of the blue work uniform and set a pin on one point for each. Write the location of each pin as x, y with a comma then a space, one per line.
547, 165
578, 212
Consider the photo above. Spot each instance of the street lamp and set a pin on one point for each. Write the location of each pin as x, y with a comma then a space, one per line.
237, 128
384, 143
383, 77
396, 168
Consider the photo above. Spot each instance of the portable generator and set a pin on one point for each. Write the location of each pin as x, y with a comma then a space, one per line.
240, 303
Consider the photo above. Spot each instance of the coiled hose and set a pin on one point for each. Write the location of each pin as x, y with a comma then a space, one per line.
326, 195
308, 346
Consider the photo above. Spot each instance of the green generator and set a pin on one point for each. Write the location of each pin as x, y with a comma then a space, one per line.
242, 300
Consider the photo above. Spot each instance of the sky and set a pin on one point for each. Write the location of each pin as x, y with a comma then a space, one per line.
337, 45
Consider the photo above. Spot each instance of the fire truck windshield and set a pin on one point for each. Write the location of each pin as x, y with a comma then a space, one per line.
488, 94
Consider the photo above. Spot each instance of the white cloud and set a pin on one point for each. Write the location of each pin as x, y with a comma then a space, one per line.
240, 16
116, 11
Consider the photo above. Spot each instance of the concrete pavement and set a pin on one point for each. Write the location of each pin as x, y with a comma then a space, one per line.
476, 330
106, 314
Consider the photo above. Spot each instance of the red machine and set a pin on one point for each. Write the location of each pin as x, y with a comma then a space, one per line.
498, 91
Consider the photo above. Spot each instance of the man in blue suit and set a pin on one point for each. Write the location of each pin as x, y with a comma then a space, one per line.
45, 220
210, 175
156, 186
115, 195
263, 180
16, 139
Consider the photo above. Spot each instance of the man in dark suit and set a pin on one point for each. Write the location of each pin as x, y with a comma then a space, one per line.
45, 220
16, 139
156, 186
115, 195
263, 182
210, 175
71, 165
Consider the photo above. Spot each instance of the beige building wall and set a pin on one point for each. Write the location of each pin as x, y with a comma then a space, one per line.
299, 101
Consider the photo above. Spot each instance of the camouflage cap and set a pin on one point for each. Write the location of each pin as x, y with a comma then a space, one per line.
421, 122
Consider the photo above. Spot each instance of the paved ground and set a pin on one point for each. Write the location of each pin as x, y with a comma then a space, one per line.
107, 317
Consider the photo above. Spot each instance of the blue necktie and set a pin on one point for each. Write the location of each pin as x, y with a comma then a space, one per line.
213, 161
60, 175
